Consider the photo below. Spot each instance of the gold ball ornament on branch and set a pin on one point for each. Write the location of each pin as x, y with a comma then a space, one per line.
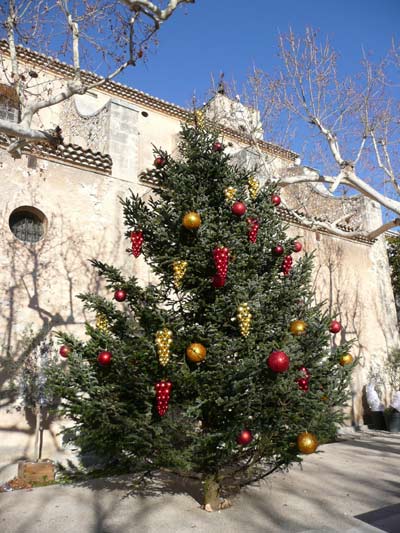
230, 194
244, 317
307, 442
191, 220
179, 268
254, 187
298, 327
196, 352
346, 359
163, 342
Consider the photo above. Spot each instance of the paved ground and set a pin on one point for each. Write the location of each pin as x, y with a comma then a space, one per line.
351, 486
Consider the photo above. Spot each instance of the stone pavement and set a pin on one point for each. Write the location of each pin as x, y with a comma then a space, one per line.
352, 486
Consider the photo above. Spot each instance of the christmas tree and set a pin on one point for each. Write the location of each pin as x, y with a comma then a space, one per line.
224, 368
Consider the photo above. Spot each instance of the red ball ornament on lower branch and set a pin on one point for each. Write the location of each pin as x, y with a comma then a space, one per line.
244, 437
276, 199
64, 351
297, 246
120, 295
335, 326
104, 358
159, 162
239, 209
217, 147
278, 362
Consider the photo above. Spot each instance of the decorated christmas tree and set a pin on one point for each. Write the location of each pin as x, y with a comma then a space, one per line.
225, 367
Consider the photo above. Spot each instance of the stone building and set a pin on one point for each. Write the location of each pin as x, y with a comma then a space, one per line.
60, 208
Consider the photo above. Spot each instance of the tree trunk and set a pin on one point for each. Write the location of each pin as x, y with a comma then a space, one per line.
211, 493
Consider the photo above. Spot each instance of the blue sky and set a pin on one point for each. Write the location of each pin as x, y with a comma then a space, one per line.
221, 35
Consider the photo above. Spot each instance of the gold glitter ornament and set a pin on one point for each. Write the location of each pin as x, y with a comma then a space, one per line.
199, 119
102, 323
230, 193
244, 316
179, 268
163, 342
254, 187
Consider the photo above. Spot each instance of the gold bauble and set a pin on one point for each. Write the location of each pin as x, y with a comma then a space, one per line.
191, 220
307, 442
196, 352
298, 327
346, 359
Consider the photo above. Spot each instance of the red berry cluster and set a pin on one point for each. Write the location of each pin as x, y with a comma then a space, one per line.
221, 259
303, 382
287, 265
137, 241
253, 229
163, 393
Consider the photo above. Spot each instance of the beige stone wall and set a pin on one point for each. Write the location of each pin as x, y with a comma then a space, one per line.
39, 282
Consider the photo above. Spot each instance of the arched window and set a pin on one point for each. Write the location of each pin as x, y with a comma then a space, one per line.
28, 224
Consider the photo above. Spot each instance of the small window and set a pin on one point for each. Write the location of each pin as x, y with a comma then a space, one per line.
8, 111
145, 114
28, 224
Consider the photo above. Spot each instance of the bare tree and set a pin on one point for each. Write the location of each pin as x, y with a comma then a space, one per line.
111, 34
353, 122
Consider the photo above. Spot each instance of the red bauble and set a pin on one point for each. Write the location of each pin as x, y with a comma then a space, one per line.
297, 246
275, 199
239, 209
120, 295
104, 358
137, 241
254, 226
277, 250
218, 281
244, 437
163, 393
159, 162
335, 326
217, 147
278, 361
64, 351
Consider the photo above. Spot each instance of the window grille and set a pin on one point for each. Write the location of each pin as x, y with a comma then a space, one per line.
27, 224
8, 111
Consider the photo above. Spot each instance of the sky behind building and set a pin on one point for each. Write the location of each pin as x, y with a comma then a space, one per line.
231, 36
